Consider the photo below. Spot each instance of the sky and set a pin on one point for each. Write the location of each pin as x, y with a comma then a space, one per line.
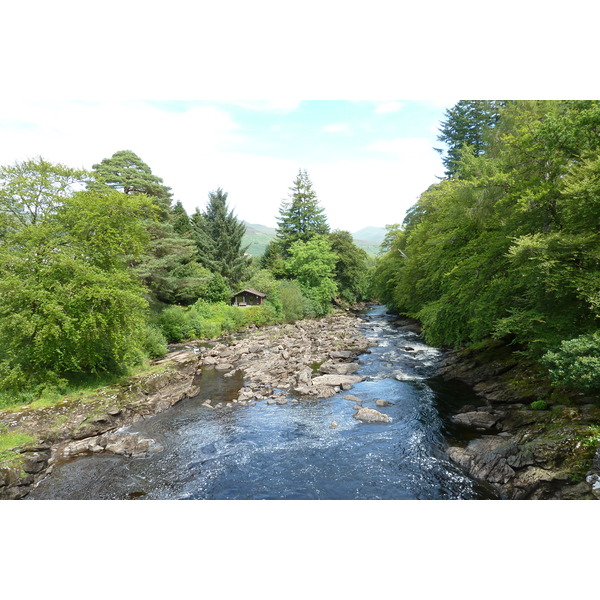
368, 160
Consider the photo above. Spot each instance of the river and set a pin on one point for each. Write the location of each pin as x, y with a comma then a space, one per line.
291, 451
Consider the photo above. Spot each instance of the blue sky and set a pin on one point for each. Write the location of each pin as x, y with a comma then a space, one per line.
368, 160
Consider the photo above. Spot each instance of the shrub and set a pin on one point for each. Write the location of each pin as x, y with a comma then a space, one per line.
539, 405
178, 324
576, 362
154, 341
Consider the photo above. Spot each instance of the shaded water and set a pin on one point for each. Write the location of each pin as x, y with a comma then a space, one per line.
289, 451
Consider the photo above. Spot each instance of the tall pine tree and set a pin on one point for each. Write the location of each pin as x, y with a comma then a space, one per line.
127, 172
466, 125
301, 218
218, 235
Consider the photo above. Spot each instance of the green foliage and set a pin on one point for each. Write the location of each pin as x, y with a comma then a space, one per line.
313, 263
300, 218
466, 128
351, 267
126, 172
34, 189
178, 323
218, 235
180, 220
294, 305
576, 362
539, 405
217, 289
154, 342
508, 247
10, 440
169, 267
69, 303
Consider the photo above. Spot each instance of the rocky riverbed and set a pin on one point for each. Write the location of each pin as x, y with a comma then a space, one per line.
524, 453
309, 359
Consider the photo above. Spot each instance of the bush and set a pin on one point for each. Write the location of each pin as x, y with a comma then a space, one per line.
576, 362
539, 405
178, 324
154, 341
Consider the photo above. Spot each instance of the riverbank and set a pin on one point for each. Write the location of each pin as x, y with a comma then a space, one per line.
535, 441
308, 359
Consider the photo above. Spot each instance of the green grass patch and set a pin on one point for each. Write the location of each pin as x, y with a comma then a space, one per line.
10, 440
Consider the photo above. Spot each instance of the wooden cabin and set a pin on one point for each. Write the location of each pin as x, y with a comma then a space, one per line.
248, 297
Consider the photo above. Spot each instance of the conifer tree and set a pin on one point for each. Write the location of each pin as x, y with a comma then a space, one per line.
126, 172
301, 217
466, 126
218, 235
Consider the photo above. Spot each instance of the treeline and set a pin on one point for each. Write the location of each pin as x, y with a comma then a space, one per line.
507, 245
100, 269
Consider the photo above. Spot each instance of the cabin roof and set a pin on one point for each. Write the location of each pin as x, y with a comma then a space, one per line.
251, 291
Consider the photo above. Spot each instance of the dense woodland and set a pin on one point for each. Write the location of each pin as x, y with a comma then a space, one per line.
101, 269
507, 245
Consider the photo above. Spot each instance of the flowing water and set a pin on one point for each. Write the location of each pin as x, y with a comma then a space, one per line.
290, 451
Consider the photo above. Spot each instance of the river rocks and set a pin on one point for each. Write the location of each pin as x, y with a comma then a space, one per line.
334, 380
352, 398
334, 368
126, 444
379, 402
370, 415
283, 358
479, 420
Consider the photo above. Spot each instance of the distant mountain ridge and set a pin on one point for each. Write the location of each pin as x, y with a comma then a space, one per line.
258, 236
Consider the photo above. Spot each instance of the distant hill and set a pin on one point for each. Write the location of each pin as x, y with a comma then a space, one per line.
371, 234
257, 237
369, 239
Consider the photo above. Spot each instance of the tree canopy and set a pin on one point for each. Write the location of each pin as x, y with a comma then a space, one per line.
127, 172
510, 248
218, 235
300, 217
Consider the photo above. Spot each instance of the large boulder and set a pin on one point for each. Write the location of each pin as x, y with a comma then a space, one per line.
335, 368
476, 419
336, 380
370, 415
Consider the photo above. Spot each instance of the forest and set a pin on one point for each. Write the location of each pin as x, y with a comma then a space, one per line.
507, 245
101, 270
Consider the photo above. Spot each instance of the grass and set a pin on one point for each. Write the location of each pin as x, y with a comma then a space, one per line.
10, 440
82, 388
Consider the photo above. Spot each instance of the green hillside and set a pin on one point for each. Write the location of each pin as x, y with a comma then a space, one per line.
258, 236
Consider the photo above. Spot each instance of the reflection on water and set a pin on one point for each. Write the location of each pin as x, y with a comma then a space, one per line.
290, 451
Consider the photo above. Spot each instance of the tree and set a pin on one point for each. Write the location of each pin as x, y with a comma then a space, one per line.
70, 305
180, 220
33, 189
218, 235
465, 129
169, 268
127, 172
301, 218
351, 267
312, 263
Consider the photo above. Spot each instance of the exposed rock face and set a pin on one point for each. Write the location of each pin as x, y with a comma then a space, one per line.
76, 426
523, 453
370, 415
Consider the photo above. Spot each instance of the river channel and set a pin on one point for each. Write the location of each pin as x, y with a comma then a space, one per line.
291, 451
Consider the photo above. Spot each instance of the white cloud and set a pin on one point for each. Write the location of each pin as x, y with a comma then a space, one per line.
389, 107
194, 152
278, 106
336, 128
